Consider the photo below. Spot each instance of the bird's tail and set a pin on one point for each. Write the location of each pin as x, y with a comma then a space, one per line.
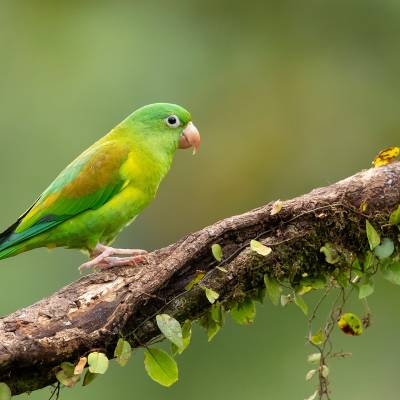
9, 247
10, 251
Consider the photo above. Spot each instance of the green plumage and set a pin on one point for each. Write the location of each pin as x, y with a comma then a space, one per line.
104, 189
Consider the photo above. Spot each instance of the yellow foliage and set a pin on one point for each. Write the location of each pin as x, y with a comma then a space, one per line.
386, 156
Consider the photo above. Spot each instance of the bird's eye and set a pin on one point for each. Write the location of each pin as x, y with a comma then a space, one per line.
172, 121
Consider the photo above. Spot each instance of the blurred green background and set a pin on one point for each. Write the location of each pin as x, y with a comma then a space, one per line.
288, 96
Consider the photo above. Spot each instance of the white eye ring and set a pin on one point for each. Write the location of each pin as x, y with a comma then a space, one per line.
172, 121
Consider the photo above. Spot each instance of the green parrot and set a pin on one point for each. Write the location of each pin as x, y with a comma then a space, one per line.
105, 188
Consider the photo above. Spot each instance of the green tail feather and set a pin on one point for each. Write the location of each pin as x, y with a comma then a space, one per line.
10, 251
12, 243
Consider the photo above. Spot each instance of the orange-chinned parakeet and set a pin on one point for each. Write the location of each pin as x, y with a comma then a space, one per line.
105, 188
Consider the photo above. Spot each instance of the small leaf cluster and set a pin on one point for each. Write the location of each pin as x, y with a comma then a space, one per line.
69, 374
381, 255
358, 271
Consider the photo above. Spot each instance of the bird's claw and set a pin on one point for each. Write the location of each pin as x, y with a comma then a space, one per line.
110, 262
103, 258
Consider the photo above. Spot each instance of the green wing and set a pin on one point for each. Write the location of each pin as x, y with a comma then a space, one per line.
86, 184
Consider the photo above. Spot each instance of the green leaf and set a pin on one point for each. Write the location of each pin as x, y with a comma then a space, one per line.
316, 282
212, 330
198, 277
244, 312
391, 271
299, 301
170, 328
186, 337
174, 350
66, 374
342, 277
318, 338
365, 289
123, 352
216, 314
186, 334
160, 366
259, 248
303, 290
356, 266
259, 294
98, 363
68, 367
385, 249
330, 252
373, 236
395, 216
216, 250
273, 288
369, 261
211, 295
210, 325
350, 324
5, 392
89, 378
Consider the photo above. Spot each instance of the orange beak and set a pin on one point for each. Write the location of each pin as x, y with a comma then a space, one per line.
190, 138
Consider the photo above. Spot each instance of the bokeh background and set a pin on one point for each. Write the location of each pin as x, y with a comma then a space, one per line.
288, 96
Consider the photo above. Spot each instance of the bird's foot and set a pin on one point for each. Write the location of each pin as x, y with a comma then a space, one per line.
110, 262
102, 257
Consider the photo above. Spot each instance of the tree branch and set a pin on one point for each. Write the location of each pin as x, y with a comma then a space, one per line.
94, 311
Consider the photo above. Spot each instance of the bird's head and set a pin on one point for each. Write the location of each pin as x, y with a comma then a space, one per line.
165, 120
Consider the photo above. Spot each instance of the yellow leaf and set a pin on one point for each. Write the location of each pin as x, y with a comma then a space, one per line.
98, 363
318, 338
198, 277
259, 248
350, 324
80, 366
386, 156
276, 207
211, 295
216, 250
363, 206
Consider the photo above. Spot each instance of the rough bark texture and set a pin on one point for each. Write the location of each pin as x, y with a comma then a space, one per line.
94, 311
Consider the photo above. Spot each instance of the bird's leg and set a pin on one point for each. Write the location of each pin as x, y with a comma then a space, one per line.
102, 257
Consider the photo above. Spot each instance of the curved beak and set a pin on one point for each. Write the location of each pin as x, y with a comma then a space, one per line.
190, 138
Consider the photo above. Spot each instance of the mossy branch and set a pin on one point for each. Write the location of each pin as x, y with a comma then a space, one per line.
93, 312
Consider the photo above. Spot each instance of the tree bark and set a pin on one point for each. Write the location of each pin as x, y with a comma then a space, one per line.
94, 311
